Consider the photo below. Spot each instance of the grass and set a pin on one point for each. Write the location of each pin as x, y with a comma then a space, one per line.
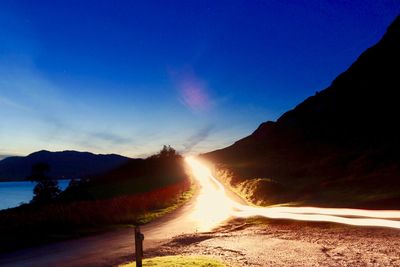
154, 214
29, 225
134, 193
179, 261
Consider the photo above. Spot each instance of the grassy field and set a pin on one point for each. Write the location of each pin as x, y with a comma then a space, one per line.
28, 226
179, 261
135, 193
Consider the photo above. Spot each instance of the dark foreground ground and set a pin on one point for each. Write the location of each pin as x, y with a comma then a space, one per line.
253, 242
288, 243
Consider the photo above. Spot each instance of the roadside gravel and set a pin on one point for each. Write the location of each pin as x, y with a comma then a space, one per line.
288, 243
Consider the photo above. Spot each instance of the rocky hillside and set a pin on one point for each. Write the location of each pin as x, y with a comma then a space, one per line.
338, 147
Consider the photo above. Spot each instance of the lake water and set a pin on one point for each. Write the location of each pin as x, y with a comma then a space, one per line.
13, 194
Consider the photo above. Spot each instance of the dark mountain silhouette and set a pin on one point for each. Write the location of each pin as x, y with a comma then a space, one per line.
63, 165
339, 146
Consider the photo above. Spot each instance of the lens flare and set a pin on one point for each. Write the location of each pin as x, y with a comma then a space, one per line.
214, 206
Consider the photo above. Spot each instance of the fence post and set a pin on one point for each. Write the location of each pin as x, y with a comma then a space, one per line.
139, 237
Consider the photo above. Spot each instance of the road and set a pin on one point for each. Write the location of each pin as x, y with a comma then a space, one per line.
210, 207
117, 246
104, 249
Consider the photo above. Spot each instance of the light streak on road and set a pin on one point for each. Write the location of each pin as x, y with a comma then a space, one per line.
389, 214
215, 206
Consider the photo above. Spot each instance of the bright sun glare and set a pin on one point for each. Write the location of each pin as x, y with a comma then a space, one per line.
214, 206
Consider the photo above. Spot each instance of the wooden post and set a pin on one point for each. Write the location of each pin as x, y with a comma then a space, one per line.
139, 237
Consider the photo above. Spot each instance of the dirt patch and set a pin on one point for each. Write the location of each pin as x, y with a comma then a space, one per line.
287, 243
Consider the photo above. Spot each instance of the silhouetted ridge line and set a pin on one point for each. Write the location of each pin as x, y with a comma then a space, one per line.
335, 146
63, 164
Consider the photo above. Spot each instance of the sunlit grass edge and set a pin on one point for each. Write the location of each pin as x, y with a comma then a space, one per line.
179, 261
152, 215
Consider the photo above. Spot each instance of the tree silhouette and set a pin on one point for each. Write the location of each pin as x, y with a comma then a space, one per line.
167, 152
46, 189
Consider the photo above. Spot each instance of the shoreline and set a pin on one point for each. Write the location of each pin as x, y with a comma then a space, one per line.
26, 180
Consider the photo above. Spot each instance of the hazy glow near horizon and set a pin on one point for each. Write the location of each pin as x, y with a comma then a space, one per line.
215, 206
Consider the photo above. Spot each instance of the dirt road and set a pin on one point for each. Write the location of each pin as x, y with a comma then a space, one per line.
201, 226
238, 242
106, 249
290, 243
112, 248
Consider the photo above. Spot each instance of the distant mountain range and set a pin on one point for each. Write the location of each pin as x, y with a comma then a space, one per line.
63, 165
340, 146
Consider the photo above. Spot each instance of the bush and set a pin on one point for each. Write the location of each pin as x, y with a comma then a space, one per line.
28, 225
46, 189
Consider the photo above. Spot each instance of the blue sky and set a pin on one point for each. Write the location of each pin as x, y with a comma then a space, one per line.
129, 76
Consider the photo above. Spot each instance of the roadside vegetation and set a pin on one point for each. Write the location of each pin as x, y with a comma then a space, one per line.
179, 261
262, 191
257, 191
134, 193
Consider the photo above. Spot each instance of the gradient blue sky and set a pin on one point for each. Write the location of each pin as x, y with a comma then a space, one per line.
129, 76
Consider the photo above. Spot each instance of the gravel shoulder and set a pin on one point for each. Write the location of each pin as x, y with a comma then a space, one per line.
239, 242
264, 242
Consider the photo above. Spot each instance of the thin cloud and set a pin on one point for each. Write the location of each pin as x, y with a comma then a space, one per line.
4, 101
197, 138
111, 138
